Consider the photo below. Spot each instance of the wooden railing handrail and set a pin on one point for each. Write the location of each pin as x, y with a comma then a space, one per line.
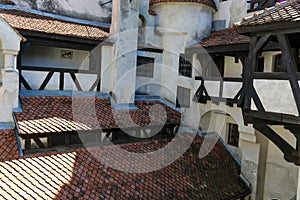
224, 79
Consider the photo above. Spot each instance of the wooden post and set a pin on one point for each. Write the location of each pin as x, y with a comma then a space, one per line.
290, 64
27, 144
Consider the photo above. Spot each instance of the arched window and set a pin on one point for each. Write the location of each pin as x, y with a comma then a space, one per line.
141, 31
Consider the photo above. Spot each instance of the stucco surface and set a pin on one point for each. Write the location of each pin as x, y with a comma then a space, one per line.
91, 9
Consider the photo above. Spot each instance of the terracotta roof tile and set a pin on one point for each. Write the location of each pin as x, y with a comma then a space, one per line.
78, 175
21, 20
8, 145
209, 3
54, 115
222, 38
288, 10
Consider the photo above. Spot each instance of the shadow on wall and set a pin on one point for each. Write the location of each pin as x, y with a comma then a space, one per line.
95, 10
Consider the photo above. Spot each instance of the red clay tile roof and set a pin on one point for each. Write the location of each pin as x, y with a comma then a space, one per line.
8, 145
21, 20
288, 10
44, 115
9, 2
223, 38
209, 3
78, 175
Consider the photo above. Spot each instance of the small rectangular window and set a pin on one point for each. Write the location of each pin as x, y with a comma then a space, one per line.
183, 97
233, 134
278, 64
185, 66
145, 66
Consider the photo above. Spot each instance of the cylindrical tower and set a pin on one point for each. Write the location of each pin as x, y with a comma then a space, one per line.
193, 17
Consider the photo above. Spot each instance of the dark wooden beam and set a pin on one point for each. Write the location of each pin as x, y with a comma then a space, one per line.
39, 142
257, 100
75, 80
284, 27
273, 75
27, 144
46, 81
291, 67
24, 82
251, 64
61, 80
261, 42
271, 118
55, 69
61, 41
291, 155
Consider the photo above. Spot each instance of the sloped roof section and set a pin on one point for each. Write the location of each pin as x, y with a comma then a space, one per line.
8, 145
54, 115
77, 174
22, 20
285, 11
222, 38
209, 3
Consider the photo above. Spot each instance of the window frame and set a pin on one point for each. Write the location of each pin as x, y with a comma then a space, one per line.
183, 102
233, 134
185, 65
145, 66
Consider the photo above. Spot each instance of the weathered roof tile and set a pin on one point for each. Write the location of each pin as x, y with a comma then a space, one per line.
45, 115
223, 38
8, 145
21, 20
288, 10
77, 174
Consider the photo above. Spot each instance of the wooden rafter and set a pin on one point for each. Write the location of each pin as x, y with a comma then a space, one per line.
290, 153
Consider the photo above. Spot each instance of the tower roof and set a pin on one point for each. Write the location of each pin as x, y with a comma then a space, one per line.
209, 3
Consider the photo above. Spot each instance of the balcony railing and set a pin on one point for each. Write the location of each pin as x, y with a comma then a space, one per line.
218, 89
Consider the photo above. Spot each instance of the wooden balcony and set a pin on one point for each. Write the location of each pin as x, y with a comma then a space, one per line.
218, 89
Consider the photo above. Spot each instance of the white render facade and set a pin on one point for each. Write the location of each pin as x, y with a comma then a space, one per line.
173, 28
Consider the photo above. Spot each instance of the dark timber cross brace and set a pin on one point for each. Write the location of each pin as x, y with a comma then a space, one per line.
261, 119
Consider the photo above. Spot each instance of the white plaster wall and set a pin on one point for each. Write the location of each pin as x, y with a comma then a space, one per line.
269, 60
192, 18
174, 44
106, 69
91, 9
281, 176
148, 85
231, 68
43, 56
231, 11
276, 96
9, 48
35, 80
124, 34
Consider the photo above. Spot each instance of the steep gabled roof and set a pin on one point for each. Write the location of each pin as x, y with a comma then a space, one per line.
54, 115
285, 11
77, 174
224, 37
209, 3
25, 21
